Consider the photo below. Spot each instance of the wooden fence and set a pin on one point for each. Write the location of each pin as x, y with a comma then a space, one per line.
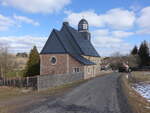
20, 82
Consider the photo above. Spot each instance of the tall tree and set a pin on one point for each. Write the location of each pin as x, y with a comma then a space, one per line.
33, 64
134, 51
144, 54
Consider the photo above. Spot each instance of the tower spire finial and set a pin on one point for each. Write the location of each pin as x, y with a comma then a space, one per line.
82, 16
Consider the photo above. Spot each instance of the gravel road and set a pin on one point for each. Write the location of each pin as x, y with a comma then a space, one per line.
99, 95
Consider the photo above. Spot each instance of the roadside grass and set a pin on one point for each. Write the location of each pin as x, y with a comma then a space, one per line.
137, 103
10, 94
140, 76
6, 94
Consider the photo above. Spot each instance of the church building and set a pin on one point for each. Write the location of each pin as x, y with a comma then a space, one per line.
70, 51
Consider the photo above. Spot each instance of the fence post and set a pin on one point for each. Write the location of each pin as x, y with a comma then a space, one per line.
27, 81
37, 83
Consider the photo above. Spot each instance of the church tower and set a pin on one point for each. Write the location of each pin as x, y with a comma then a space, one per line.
83, 28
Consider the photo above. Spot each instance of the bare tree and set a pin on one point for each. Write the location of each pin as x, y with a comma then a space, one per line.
7, 60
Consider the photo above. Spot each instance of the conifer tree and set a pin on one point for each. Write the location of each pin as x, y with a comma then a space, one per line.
33, 64
134, 51
144, 54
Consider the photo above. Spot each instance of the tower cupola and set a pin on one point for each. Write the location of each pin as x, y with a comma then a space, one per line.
83, 25
83, 28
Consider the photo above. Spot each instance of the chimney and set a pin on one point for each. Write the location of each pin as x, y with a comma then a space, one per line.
66, 23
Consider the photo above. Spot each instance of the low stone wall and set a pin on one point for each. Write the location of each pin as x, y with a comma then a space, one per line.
49, 81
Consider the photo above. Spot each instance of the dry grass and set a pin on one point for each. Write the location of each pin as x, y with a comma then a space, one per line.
13, 98
138, 103
141, 76
6, 94
9, 92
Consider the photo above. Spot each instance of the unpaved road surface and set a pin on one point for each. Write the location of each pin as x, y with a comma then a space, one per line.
99, 95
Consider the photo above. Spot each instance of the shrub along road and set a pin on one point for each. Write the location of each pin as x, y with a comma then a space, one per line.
99, 95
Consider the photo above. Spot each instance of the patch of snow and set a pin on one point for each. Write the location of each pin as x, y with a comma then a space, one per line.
143, 89
127, 76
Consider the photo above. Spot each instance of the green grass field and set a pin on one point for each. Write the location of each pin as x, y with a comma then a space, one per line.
15, 73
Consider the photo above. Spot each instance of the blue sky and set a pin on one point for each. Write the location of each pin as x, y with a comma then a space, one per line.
115, 25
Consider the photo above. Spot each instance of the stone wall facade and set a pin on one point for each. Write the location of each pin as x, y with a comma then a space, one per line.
92, 70
49, 81
63, 70
64, 64
47, 68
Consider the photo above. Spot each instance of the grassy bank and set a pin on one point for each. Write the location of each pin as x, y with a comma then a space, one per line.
137, 103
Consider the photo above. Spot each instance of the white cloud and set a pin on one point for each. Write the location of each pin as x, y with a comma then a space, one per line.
23, 43
108, 42
119, 18
26, 20
37, 6
93, 18
143, 31
116, 34
122, 34
100, 32
144, 18
109, 45
5, 22
115, 18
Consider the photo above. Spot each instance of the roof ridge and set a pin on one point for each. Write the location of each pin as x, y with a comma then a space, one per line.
73, 38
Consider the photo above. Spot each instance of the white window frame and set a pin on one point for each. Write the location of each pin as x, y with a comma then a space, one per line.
76, 69
89, 70
85, 26
51, 59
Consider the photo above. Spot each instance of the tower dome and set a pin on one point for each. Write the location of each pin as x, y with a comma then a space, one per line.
83, 25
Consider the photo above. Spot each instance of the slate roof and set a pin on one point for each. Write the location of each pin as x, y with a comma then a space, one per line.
68, 40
